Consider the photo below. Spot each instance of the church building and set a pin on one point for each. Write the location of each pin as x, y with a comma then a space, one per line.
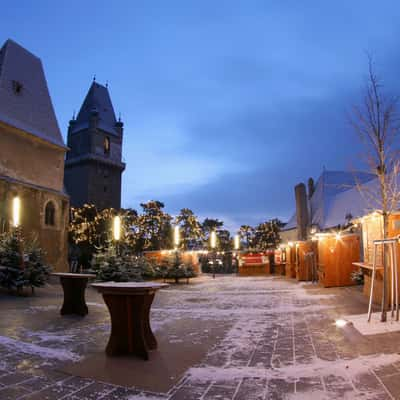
94, 166
32, 154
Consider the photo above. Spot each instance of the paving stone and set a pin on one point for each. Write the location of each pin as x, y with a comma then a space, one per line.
121, 394
279, 389
13, 378
392, 384
338, 386
252, 389
93, 391
12, 393
190, 392
220, 393
309, 384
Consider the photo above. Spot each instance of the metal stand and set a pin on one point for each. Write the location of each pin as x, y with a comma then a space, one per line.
394, 294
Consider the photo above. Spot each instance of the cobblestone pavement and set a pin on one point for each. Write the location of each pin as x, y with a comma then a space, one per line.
280, 342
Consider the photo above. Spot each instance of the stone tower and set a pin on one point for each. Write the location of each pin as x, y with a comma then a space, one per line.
94, 166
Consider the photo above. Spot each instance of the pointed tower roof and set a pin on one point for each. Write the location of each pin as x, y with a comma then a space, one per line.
97, 101
25, 101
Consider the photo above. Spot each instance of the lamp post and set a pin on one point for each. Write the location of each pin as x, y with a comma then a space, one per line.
16, 211
236, 246
117, 232
213, 244
177, 240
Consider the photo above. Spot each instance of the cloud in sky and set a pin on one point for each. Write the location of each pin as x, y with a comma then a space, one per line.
227, 105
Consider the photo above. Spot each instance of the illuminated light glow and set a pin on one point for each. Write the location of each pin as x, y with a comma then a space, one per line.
176, 236
117, 228
290, 244
338, 236
236, 242
340, 323
16, 211
297, 245
213, 240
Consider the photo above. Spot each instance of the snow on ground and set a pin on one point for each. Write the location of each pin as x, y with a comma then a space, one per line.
375, 326
41, 351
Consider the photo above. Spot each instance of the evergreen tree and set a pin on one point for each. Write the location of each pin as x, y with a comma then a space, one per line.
246, 233
154, 226
267, 234
191, 232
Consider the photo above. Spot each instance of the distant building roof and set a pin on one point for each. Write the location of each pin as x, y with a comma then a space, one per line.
97, 100
25, 101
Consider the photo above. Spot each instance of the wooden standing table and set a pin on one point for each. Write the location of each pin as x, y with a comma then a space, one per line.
74, 286
129, 305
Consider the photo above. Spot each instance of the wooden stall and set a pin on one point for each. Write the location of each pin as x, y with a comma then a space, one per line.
280, 261
290, 268
335, 259
306, 260
372, 228
251, 264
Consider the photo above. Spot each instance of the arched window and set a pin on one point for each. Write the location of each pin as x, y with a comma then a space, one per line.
106, 145
50, 214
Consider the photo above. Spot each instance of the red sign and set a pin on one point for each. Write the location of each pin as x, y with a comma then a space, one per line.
253, 259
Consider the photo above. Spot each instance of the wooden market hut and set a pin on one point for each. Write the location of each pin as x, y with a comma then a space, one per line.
336, 255
306, 260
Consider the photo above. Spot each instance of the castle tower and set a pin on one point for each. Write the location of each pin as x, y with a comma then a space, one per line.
94, 166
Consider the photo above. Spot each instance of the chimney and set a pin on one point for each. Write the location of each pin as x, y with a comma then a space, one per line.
311, 187
301, 211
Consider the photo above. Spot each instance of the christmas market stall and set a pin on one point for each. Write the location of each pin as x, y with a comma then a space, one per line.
254, 263
290, 266
336, 254
306, 255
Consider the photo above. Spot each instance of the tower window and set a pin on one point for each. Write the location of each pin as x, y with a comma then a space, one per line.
106, 145
50, 213
17, 87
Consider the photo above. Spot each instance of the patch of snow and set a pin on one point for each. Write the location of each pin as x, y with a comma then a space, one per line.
37, 309
344, 368
41, 351
375, 326
44, 336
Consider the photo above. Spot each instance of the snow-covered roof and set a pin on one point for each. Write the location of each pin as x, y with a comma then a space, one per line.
331, 201
25, 101
329, 185
98, 100
291, 224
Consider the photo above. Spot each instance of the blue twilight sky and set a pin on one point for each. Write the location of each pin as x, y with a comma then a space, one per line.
226, 104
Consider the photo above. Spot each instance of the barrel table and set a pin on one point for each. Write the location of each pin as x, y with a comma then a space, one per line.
74, 286
129, 305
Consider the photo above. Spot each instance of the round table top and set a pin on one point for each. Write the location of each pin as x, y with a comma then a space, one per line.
128, 287
72, 275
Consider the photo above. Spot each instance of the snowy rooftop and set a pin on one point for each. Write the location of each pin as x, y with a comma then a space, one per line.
336, 196
25, 101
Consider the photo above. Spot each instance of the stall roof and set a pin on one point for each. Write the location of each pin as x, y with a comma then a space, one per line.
325, 210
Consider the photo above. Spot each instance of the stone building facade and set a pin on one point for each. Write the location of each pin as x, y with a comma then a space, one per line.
32, 154
94, 166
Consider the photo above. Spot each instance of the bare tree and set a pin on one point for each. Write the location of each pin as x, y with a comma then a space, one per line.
376, 121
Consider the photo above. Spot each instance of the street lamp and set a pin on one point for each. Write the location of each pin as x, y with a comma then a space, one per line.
236, 245
117, 231
213, 244
176, 236
16, 211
